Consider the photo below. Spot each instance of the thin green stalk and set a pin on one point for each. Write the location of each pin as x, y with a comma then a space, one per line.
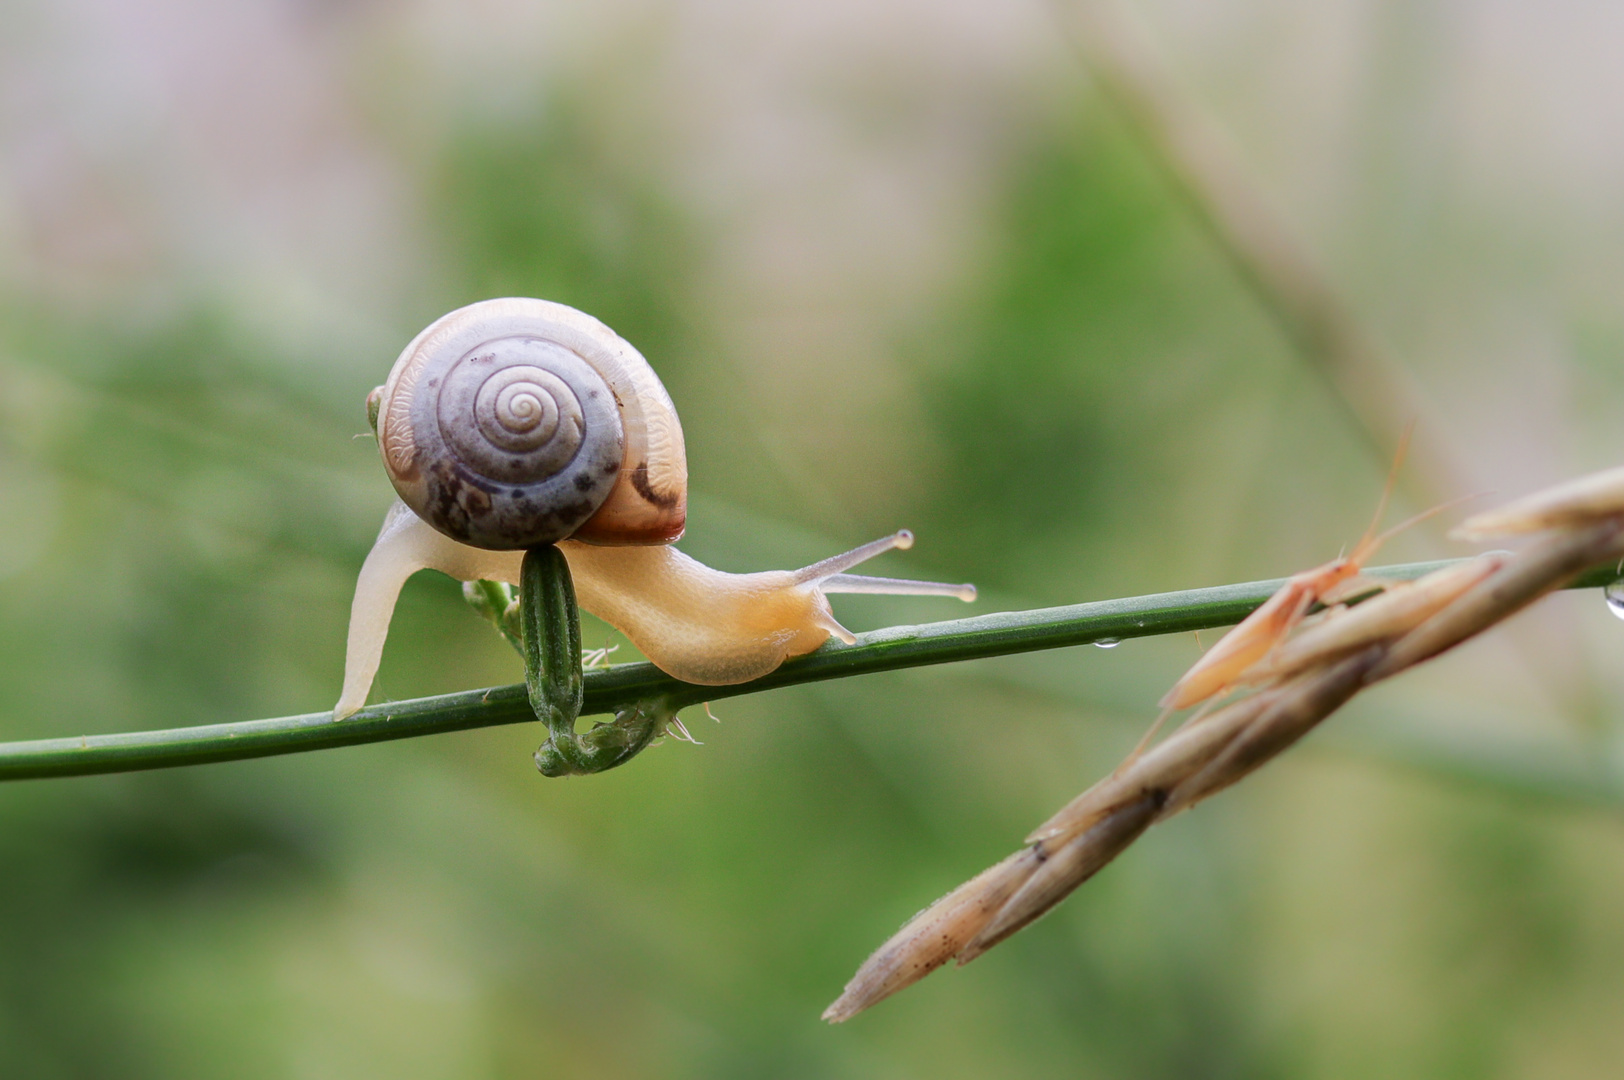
626, 686
550, 631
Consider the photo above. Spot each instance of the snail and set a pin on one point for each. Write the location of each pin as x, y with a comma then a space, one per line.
514, 423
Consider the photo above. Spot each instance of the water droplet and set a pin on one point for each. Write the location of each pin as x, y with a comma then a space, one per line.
1615, 597
1112, 642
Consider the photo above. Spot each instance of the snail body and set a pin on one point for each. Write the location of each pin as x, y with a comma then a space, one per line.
513, 423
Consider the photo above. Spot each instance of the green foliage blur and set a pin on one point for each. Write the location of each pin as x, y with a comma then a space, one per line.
1088, 404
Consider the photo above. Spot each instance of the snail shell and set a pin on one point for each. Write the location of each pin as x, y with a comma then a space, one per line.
516, 422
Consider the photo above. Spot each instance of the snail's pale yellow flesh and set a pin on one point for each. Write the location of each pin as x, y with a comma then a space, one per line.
700, 625
405, 545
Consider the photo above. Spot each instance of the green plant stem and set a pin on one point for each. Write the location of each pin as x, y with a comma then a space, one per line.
622, 686
551, 634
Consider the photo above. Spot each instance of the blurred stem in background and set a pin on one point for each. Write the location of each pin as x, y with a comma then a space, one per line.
1376, 394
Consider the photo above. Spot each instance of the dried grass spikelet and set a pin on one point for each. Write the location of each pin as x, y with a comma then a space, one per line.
1302, 680
1067, 867
1294, 709
1090, 832
1397, 610
934, 936
1550, 563
1159, 769
1576, 502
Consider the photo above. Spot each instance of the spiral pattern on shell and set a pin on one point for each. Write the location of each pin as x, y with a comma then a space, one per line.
512, 443
515, 421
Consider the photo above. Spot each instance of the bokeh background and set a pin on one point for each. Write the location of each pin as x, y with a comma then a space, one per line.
899, 264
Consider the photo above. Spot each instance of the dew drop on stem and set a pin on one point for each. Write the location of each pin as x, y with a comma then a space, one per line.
1614, 595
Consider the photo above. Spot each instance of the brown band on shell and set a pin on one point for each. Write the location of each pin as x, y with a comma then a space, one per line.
665, 500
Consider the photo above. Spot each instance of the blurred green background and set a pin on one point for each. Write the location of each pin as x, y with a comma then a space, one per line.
898, 266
